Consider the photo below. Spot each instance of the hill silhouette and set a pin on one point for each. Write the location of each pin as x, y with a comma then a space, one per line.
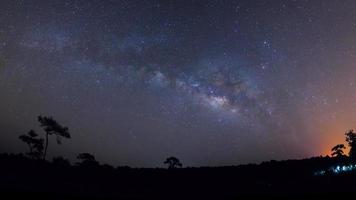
25, 177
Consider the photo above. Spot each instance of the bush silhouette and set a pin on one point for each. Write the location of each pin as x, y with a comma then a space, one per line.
60, 161
87, 159
52, 127
173, 162
35, 144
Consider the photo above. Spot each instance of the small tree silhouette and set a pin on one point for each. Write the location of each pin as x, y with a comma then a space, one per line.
337, 150
351, 140
173, 162
52, 127
35, 144
87, 159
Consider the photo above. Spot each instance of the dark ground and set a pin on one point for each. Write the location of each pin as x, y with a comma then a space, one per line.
21, 177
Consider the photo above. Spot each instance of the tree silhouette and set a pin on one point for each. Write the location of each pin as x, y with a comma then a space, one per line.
351, 140
337, 150
173, 162
87, 159
52, 127
35, 144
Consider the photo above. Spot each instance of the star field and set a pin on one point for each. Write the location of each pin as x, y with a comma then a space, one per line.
210, 82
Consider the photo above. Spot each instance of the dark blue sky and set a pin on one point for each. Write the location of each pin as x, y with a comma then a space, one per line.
210, 82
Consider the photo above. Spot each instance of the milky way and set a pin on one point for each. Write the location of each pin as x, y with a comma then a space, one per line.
210, 82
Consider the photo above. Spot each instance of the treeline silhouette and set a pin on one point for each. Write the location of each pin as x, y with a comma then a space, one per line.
32, 175
38, 146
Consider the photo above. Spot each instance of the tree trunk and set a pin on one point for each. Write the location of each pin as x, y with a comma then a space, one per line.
45, 151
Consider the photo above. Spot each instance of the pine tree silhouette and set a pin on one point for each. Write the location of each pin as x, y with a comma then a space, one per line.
52, 127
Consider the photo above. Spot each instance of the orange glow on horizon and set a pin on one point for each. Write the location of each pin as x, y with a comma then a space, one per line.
334, 134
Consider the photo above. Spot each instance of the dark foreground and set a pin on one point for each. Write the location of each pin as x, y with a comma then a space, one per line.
21, 177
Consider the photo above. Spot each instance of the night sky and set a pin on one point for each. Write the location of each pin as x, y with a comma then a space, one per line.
210, 82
